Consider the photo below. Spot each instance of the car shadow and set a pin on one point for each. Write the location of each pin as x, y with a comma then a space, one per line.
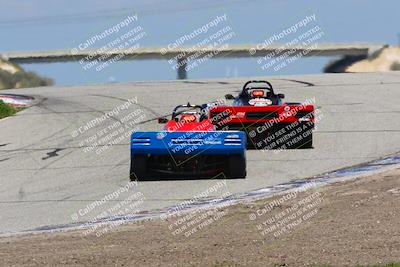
152, 178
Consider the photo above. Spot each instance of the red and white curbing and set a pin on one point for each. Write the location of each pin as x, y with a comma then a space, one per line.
17, 100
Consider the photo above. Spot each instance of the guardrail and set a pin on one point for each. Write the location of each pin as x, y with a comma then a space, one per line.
181, 54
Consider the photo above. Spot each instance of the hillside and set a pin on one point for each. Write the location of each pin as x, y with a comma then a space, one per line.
13, 76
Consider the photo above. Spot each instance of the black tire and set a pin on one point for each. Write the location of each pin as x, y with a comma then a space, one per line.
138, 167
307, 142
237, 167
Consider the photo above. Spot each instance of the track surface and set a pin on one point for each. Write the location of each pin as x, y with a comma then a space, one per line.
45, 176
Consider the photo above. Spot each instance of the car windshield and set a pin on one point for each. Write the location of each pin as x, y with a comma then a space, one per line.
188, 114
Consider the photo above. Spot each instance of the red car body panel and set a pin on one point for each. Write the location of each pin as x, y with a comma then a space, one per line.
181, 126
253, 114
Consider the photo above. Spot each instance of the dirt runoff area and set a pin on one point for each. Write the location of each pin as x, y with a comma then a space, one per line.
344, 224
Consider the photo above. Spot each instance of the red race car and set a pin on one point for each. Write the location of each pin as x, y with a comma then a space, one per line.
269, 122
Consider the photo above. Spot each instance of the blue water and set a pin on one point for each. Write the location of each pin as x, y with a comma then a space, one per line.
48, 24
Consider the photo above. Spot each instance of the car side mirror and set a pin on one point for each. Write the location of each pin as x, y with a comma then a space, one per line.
281, 95
162, 120
229, 97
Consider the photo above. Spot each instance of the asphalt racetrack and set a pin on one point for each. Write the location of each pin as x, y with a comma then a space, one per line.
50, 175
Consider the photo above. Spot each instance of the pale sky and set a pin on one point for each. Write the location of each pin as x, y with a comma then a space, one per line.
49, 24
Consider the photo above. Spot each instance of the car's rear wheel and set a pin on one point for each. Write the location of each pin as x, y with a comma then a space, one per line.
237, 167
138, 167
307, 142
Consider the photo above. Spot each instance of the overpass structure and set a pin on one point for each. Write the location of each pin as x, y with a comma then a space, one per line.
182, 55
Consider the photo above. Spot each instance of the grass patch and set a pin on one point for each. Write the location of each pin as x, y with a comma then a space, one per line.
6, 110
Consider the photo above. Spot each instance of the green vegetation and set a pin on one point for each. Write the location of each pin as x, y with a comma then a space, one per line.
6, 110
22, 79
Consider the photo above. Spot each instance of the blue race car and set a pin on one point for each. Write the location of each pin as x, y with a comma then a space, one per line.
189, 146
